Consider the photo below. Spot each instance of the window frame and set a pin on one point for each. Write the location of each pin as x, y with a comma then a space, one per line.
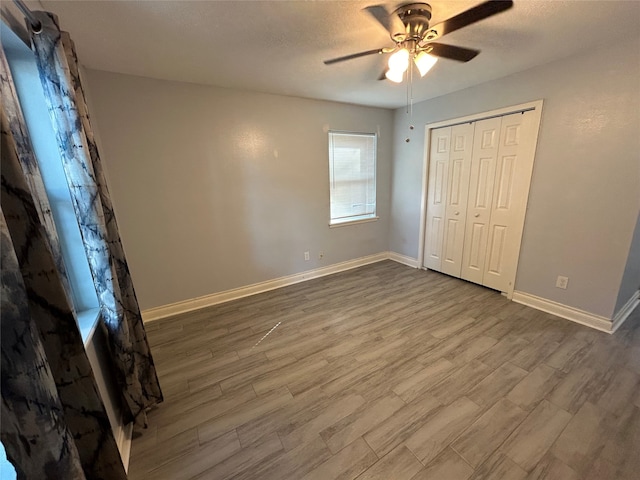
360, 218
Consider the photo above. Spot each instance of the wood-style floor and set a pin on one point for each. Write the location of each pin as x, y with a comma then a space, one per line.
387, 372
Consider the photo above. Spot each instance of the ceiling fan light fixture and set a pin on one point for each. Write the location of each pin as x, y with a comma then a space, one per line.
424, 62
394, 75
399, 61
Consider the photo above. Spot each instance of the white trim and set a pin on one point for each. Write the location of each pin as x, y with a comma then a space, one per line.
423, 197
582, 317
626, 310
499, 112
353, 222
123, 440
535, 105
190, 305
87, 322
403, 259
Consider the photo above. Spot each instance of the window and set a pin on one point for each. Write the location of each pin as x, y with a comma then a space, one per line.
352, 177
23, 68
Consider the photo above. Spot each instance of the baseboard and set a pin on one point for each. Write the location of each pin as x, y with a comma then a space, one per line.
403, 259
190, 305
626, 310
582, 317
123, 440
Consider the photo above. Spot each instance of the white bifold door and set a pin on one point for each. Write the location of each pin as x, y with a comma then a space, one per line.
479, 176
457, 192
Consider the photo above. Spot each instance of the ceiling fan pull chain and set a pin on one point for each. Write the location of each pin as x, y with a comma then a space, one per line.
411, 91
410, 99
407, 107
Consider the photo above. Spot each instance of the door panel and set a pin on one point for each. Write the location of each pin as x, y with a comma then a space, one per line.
496, 249
484, 183
435, 245
441, 167
477, 242
436, 197
457, 197
456, 181
512, 180
504, 181
451, 235
483, 168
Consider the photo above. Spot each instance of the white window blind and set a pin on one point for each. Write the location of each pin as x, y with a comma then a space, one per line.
352, 176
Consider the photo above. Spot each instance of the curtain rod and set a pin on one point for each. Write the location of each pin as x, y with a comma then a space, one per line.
28, 14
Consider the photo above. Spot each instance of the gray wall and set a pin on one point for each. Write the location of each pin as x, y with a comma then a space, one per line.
216, 189
631, 278
585, 191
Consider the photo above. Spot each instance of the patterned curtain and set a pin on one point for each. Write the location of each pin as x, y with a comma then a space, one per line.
33, 177
58, 68
53, 422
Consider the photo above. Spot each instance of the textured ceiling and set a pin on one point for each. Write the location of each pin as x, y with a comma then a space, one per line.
278, 46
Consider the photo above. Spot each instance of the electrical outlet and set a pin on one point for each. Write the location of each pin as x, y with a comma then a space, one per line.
320, 255
562, 282
306, 255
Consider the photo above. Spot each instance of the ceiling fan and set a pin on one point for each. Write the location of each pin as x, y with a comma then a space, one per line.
414, 39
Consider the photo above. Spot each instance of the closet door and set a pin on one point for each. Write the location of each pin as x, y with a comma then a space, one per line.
437, 195
514, 167
483, 169
457, 195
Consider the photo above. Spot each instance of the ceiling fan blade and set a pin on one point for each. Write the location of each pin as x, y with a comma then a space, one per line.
390, 21
473, 15
460, 54
354, 55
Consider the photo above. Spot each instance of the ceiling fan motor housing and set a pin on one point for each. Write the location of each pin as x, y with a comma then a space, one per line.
415, 17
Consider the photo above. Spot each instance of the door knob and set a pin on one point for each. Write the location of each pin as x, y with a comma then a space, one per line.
457, 213
477, 215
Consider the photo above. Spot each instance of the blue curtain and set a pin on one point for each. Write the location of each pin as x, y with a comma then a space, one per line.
58, 69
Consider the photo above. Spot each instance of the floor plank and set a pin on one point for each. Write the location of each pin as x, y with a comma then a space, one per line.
399, 464
531, 440
481, 439
447, 465
353, 426
442, 428
346, 464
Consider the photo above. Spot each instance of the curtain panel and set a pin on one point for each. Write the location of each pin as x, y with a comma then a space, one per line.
33, 177
53, 421
58, 68
27, 382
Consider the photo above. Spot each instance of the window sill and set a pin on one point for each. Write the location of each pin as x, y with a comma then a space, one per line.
353, 222
87, 321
